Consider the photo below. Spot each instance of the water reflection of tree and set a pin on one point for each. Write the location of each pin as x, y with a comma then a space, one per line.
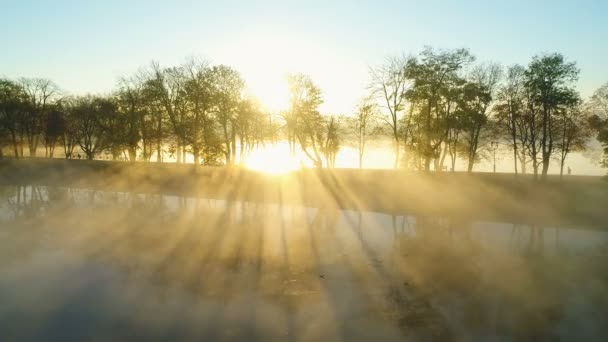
520, 294
441, 282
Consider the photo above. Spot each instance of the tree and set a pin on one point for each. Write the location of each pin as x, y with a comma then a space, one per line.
40, 94
253, 126
549, 79
331, 144
227, 87
129, 99
510, 110
389, 84
171, 91
362, 124
13, 107
477, 98
573, 131
598, 120
69, 137
53, 130
305, 99
434, 75
90, 133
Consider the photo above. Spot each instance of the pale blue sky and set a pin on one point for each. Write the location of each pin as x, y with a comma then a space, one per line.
85, 46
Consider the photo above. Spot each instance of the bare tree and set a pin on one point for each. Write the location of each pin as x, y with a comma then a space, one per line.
305, 99
40, 93
510, 107
574, 131
389, 84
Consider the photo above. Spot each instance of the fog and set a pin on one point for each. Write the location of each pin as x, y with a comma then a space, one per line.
82, 263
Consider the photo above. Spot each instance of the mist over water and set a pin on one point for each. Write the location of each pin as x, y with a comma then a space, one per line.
83, 264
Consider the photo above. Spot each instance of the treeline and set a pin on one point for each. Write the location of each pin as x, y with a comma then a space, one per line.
437, 107
442, 106
191, 108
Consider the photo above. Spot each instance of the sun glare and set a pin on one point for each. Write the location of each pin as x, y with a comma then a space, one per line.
273, 159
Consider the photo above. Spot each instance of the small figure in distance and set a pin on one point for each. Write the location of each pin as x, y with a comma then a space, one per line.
569, 171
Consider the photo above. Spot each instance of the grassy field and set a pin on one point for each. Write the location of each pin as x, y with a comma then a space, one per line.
574, 201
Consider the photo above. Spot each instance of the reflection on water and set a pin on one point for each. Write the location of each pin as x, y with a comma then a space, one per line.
83, 264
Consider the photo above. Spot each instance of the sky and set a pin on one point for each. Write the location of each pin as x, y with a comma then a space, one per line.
85, 46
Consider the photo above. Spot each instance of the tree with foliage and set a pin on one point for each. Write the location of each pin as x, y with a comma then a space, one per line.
598, 119
549, 81
227, 87
477, 97
433, 76
13, 108
130, 102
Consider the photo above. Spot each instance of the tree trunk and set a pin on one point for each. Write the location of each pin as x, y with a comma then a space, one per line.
195, 153
545, 166
470, 164
132, 154
396, 148
16, 149
514, 147
443, 154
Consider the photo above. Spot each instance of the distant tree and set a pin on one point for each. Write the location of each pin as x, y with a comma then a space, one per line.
331, 143
200, 131
253, 126
510, 111
53, 130
389, 84
549, 81
227, 86
478, 94
155, 114
13, 108
90, 133
40, 93
171, 83
130, 102
69, 138
362, 125
599, 118
433, 76
573, 133
305, 99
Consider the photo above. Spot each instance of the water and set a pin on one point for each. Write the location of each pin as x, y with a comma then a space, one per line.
81, 264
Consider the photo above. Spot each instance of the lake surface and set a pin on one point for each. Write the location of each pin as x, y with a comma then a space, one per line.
80, 264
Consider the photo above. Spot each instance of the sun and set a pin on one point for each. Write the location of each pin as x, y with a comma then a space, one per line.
272, 159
